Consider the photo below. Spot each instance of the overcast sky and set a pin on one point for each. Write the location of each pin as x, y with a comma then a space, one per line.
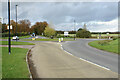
98, 16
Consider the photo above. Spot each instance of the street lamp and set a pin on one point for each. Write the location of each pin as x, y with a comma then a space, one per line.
74, 29
9, 40
16, 21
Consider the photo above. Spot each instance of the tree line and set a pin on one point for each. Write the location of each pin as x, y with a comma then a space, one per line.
24, 26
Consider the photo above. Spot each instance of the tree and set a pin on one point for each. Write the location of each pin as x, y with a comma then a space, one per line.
24, 25
4, 28
13, 23
83, 33
39, 27
80, 29
49, 31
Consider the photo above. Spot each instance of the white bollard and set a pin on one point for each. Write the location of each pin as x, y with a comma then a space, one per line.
62, 39
59, 40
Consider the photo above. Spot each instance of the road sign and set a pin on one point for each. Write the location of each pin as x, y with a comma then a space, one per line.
66, 34
10, 27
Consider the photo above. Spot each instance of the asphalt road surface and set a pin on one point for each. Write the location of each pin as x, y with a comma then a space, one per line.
81, 49
39, 37
51, 61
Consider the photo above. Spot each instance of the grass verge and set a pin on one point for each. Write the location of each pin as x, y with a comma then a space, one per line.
107, 45
20, 37
55, 39
16, 43
14, 65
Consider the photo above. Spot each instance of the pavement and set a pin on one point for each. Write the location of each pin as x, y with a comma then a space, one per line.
81, 49
51, 61
19, 46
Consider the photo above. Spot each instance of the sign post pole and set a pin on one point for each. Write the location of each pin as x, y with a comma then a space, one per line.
9, 41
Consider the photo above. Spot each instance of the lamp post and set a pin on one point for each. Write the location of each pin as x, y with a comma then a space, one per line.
74, 29
16, 21
9, 40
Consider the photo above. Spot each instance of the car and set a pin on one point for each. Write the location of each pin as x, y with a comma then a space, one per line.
15, 38
36, 37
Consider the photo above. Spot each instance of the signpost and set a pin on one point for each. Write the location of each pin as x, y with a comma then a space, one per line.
9, 40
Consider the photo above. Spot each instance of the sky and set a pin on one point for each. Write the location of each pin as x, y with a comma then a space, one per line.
98, 16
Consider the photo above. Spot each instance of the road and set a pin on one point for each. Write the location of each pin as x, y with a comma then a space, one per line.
51, 61
39, 37
81, 49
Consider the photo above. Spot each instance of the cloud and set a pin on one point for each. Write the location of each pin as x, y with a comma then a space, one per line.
62, 14
100, 26
93, 26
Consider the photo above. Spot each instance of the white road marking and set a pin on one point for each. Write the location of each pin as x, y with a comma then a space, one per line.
94, 64
85, 60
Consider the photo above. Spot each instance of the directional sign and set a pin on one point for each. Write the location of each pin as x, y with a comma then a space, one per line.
66, 34
10, 27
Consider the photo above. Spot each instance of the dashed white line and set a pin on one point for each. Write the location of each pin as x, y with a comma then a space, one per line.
85, 59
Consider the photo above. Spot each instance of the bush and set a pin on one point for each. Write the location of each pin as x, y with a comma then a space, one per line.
115, 38
83, 34
49, 31
105, 42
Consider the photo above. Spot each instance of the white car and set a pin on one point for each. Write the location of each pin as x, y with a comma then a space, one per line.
15, 38
36, 37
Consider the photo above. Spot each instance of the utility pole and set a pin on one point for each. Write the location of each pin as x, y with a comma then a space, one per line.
74, 29
9, 40
3, 20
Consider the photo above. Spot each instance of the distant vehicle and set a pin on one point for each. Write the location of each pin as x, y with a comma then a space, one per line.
15, 38
36, 37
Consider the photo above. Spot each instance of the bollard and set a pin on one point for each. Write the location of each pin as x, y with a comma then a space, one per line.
59, 40
62, 39
98, 37
33, 38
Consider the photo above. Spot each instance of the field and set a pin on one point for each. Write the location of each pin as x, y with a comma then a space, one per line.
107, 45
14, 65
104, 35
93, 35
16, 43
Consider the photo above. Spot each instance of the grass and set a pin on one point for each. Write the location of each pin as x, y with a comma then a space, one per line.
0, 63
14, 65
110, 46
21, 37
93, 35
72, 35
16, 43
104, 35
55, 39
